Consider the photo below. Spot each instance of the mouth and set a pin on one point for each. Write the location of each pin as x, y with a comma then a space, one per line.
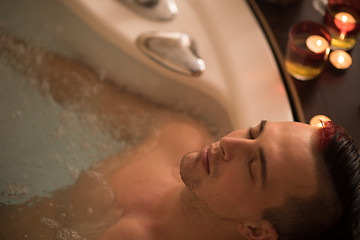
205, 159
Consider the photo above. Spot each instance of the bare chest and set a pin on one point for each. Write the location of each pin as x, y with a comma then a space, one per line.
143, 185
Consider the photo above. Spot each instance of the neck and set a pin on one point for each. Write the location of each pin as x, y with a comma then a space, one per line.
185, 217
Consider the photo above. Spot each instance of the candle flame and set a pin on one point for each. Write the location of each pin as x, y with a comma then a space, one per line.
318, 121
342, 36
341, 59
320, 124
344, 19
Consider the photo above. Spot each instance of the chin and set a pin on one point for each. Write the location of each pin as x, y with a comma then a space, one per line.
188, 170
190, 160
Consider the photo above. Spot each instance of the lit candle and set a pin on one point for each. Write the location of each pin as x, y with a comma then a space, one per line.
318, 120
345, 21
340, 59
317, 44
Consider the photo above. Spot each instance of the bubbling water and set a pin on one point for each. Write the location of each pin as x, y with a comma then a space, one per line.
54, 135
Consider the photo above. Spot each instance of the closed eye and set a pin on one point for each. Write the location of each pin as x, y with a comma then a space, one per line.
258, 130
251, 136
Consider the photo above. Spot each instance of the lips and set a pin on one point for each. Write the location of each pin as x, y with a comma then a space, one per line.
205, 159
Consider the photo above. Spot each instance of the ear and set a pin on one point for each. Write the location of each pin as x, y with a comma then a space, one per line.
262, 230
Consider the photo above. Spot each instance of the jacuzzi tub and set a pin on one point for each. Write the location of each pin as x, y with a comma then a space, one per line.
242, 75
241, 85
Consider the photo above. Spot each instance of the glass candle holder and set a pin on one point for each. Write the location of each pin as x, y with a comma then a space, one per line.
307, 50
343, 20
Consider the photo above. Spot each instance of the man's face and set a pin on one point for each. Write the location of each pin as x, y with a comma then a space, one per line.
253, 169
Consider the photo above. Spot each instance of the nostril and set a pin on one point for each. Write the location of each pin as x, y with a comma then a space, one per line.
227, 157
222, 150
224, 153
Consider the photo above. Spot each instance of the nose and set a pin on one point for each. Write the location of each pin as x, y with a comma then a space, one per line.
235, 148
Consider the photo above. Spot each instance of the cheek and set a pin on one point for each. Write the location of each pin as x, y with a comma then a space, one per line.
230, 194
295, 177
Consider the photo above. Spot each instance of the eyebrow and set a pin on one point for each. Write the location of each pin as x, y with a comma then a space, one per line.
262, 157
262, 126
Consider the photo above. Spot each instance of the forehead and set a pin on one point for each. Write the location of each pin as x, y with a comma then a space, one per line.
291, 137
291, 159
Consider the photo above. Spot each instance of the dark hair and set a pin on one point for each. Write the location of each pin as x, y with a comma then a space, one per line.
333, 211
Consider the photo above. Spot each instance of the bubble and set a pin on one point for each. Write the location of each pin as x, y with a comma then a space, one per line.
13, 191
68, 234
90, 210
50, 222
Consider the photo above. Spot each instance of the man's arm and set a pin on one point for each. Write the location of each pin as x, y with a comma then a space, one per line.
73, 85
